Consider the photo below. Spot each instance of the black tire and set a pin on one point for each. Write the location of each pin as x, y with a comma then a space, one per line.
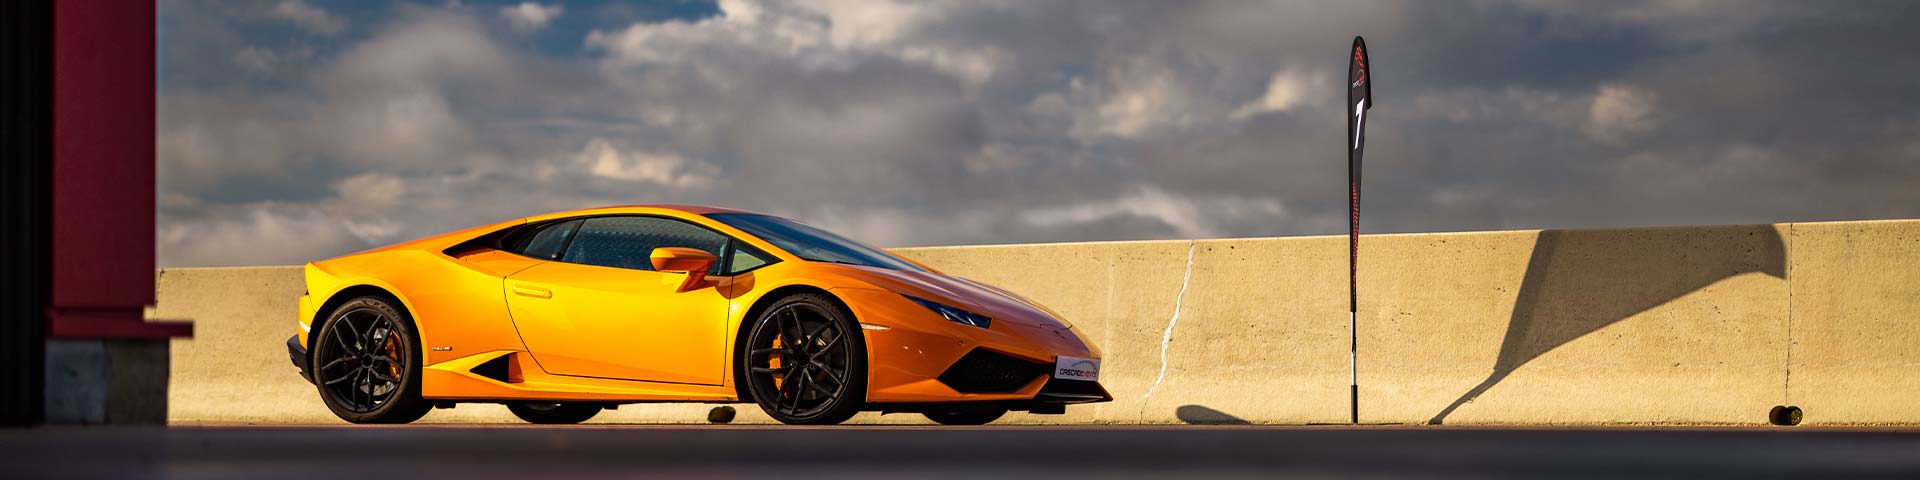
366, 359
547, 413
967, 416
829, 374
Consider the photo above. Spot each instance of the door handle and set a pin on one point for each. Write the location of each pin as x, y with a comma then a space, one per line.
535, 292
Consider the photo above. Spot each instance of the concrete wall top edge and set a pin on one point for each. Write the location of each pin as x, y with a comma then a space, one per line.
1652, 228
232, 268
1884, 221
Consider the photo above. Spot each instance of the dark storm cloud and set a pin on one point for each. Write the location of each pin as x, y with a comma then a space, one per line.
287, 137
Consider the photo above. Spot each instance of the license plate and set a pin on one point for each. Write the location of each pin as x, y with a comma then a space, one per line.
1076, 368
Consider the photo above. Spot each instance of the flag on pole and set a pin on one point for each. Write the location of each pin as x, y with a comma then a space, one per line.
1359, 99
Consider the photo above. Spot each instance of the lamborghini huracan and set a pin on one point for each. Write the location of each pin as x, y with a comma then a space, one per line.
560, 316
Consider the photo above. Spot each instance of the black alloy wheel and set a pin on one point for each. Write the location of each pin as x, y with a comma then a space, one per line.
367, 366
807, 361
549, 413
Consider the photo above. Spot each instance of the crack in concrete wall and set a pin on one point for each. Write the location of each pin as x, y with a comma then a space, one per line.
1166, 339
1786, 384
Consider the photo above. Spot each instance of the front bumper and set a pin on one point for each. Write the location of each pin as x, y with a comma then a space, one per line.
986, 371
918, 364
299, 356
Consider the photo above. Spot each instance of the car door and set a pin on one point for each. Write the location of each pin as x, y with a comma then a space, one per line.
601, 310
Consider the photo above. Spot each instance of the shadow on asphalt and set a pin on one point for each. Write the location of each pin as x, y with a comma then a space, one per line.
1201, 415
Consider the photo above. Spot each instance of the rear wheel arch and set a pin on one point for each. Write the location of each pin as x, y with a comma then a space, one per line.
738, 363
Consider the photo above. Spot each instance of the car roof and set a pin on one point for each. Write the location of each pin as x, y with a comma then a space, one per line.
694, 209
689, 209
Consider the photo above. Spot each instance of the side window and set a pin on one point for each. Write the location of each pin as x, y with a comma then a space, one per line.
746, 258
547, 243
628, 242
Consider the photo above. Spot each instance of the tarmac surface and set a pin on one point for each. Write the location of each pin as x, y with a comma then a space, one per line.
600, 451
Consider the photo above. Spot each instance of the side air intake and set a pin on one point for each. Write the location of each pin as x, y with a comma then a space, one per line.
495, 369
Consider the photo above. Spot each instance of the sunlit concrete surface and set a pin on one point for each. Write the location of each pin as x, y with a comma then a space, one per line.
474, 452
1670, 326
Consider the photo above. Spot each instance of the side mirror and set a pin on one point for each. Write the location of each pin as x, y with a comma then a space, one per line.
692, 262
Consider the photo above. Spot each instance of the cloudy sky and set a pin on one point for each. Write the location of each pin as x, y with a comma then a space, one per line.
291, 131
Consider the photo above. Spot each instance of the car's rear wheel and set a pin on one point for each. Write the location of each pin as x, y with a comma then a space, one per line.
549, 413
367, 364
967, 416
807, 361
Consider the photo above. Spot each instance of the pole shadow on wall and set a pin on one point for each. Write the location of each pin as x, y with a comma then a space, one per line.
1580, 281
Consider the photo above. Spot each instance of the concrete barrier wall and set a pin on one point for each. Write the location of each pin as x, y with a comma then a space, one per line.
1709, 325
1854, 353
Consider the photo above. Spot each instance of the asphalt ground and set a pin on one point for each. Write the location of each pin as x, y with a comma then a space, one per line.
601, 451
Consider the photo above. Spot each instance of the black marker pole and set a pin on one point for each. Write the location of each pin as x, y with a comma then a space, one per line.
1359, 99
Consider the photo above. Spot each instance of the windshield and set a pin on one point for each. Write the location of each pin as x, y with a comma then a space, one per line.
812, 243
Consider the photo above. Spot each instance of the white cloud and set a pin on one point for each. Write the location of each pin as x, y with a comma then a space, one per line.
1138, 98
309, 18
428, 49
602, 159
397, 128
1288, 89
1139, 105
371, 189
744, 27
375, 231
205, 138
1189, 216
828, 34
1619, 112
386, 101
529, 16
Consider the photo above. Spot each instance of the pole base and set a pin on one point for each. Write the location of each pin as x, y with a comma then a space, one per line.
1355, 396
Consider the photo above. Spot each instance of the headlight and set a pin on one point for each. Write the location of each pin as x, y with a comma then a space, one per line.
953, 313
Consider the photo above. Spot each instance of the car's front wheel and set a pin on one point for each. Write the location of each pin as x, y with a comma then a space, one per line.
548, 413
367, 365
807, 361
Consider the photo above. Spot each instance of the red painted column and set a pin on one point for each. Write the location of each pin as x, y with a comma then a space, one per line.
103, 171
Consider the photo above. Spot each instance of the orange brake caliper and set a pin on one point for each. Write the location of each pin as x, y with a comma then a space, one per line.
779, 379
393, 353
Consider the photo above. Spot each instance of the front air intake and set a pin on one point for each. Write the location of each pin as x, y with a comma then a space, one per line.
987, 371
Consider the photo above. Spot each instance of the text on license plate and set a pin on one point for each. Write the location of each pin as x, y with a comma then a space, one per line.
1076, 368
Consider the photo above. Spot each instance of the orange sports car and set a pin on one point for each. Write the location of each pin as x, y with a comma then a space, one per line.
559, 316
